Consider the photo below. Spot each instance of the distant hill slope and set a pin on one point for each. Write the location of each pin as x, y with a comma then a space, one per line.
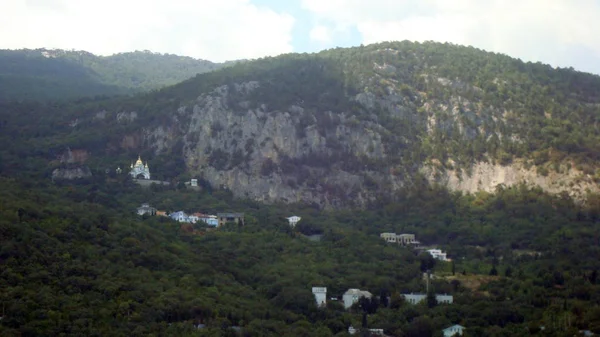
59, 74
343, 126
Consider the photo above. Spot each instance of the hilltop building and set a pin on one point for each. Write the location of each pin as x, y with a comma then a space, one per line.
139, 168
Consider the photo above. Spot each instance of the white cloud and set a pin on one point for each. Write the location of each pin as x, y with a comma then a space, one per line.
321, 34
559, 32
216, 30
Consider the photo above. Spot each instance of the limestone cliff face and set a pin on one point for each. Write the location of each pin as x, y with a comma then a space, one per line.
485, 176
281, 155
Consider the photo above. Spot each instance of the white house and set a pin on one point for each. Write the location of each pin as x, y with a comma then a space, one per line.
352, 330
179, 216
417, 298
353, 295
454, 330
438, 254
389, 237
320, 295
402, 239
293, 220
146, 209
194, 182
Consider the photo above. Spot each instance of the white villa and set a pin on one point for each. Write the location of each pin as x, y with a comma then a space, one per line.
180, 216
146, 209
438, 254
418, 298
454, 330
353, 295
402, 239
293, 220
140, 168
320, 295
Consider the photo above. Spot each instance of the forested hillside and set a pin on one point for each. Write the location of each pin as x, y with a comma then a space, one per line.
42, 74
75, 260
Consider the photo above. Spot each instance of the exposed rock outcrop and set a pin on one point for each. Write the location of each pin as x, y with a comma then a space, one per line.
488, 176
71, 173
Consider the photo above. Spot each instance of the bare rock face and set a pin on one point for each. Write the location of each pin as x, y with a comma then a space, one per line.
71, 173
488, 177
274, 155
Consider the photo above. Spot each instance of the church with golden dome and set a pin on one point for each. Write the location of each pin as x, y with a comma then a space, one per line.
139, 168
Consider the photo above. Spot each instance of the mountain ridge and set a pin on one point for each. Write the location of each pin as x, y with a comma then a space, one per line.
352, 127
69, 74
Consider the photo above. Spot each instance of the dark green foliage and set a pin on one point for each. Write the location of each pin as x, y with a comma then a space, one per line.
29, 75
80, 262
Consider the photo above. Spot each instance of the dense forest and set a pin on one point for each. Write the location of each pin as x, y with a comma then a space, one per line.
42, 74
76, 259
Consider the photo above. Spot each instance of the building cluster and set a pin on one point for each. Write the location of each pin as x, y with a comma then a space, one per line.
353, 295
410, 241
180, 216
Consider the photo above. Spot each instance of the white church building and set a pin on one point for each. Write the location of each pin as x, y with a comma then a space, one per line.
140, 168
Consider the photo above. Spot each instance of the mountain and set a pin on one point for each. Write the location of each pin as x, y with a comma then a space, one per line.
388, 128
60, 74
343, 127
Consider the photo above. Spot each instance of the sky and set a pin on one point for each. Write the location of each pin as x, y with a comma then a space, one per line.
562, 33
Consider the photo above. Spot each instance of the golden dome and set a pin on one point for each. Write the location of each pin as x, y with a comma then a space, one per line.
139, 161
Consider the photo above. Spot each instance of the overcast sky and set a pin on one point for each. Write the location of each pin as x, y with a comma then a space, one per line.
562, 33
